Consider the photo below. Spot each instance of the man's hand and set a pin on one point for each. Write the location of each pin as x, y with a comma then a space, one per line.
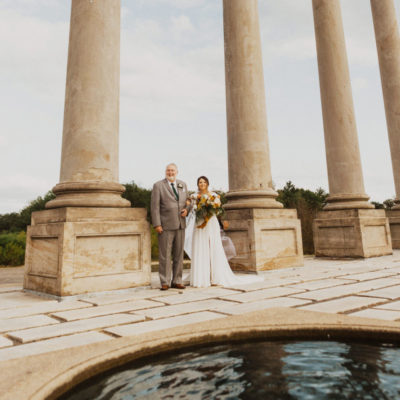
184, 213
159, 229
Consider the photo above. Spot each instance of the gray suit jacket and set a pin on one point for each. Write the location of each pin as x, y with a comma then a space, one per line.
165, 209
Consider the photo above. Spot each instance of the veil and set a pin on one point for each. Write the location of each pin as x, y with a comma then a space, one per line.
190, 225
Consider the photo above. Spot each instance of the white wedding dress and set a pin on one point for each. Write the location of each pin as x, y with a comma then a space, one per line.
209, 263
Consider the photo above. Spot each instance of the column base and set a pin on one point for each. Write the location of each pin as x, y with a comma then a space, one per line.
393, 216
352, 233
76, 250
265, 239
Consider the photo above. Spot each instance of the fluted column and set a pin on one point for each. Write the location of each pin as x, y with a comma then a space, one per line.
250, 181
346, 185
388, 46
89, 161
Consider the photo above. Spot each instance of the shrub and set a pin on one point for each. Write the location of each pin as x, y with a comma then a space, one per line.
12, 248
307, 203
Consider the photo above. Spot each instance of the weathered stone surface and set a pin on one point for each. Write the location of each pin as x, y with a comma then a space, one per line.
269, 283
151, 326
108, 309
20, 299
352, 233
121, 297
378, 314
353, 288
4, 342
265, 239
186, 308
321, 284
43, 308
372, 275
393, 305
262, 294
191, 296
342, 305
26, 322
50, 345
78, 251
391, 293
67, 328
237, 309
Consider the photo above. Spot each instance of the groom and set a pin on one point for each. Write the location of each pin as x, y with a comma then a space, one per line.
168, 212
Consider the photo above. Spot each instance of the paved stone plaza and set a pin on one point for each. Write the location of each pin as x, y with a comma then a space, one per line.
32, 325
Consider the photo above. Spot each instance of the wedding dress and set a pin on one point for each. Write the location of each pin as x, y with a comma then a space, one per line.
209, 263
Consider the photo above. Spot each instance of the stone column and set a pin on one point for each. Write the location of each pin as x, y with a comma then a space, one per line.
347, 200
89, 160
89, 239
251, 198
388, 46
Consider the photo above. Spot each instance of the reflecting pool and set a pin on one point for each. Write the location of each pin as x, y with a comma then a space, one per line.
256, 370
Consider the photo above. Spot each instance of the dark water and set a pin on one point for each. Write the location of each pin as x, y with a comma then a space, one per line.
256, 370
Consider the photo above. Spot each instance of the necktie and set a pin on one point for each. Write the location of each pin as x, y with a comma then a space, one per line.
175, 192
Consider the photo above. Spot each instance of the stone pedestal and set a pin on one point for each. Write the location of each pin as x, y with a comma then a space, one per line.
75, 250
394, 223
352, 233
265, 239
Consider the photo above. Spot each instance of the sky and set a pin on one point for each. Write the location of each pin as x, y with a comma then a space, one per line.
172, 104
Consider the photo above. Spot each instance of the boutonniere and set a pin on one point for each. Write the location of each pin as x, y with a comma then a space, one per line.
180, 186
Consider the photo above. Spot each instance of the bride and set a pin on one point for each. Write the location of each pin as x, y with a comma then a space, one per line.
204, 245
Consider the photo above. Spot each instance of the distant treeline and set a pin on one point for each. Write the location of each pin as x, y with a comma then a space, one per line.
13, 225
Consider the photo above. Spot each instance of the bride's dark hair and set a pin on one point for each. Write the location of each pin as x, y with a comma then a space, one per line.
203, 177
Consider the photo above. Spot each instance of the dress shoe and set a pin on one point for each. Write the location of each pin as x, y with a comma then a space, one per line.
178, 286
164, 287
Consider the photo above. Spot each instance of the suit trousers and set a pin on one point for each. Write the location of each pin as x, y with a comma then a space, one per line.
171, 241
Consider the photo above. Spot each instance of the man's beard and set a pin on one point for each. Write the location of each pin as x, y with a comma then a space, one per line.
170, 178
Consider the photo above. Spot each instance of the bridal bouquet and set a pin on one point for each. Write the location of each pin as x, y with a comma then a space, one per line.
207, 205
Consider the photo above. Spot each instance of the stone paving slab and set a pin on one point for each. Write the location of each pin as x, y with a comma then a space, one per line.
391, 293
4, 342
161, 324
342, 305
321, 283
241, 308
353, 288
19, 299
372, 275
179, 309
262, 294
43, 308
136, 295
6, 289
268, 283
378, 314
196, 295
107, 309
45, 346
393, 305
14, 324
68, 328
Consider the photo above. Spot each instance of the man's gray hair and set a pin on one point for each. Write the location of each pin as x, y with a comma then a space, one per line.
172, 165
